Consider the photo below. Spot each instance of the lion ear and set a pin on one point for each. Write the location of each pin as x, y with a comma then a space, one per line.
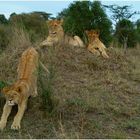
5, 90
98, 32
49, 22
19, 89
58, 22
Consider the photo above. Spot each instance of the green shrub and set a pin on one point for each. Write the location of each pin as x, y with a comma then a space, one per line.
33, 23
138, 30
4, 36
3, 20
125, 30
2, 84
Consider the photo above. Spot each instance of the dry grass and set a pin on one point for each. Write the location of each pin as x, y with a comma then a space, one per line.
9, 58
97, 98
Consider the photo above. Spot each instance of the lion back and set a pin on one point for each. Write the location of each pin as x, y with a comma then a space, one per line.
28, 64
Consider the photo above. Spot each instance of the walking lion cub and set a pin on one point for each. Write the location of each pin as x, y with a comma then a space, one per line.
26, 86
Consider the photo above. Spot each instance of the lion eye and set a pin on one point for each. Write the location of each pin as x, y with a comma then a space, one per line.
55, 24
53, 33
15, 94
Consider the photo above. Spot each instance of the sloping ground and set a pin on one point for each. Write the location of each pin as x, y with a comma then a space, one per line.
98, 98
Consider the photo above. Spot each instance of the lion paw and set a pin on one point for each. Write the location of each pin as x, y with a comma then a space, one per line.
15, 126
2, 125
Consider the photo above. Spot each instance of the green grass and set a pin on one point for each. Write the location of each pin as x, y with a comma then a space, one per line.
97, 98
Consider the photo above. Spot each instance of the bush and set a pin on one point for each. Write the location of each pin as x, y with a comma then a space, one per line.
4, 36
33, 23
138, 30
3, 84
125, 30
101, 22
3, 20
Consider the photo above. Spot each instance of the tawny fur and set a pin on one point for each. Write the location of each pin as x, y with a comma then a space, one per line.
58, 37
95, 46
25, 86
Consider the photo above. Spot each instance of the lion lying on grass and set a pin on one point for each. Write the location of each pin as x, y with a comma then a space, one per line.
25, 86
95, 46
58, 37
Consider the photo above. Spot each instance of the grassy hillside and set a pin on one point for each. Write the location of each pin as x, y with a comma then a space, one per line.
94, 98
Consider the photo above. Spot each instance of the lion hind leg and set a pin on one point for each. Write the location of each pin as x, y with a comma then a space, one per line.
34, 92
79, 41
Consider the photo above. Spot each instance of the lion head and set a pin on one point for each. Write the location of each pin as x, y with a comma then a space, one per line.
56, 33
12, 95
92, 35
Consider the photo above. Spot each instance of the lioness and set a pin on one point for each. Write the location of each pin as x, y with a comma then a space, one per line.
25, 86
95, 45
58, 37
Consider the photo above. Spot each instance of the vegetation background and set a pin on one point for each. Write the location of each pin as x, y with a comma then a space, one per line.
84, 96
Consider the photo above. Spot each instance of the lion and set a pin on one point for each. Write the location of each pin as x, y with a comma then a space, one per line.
95, 46
22, 89
58, 37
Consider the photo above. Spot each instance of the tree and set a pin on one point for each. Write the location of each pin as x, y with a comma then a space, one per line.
4, 36
125, 33
138, 30
124, 28
76, 18
13, 14
43, 14
86, 15
101, 22
33, 23
62, 14
120, 12
138, 24
3, 20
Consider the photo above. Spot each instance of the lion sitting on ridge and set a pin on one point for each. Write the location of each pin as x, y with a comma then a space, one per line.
95, 46
58, 37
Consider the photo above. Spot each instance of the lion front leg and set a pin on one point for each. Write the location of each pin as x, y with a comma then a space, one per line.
103, 51
4, 117
21, 109
104, 54
93, 50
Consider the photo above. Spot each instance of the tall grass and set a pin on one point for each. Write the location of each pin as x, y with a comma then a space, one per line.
45, 82
9, 58
5, 31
